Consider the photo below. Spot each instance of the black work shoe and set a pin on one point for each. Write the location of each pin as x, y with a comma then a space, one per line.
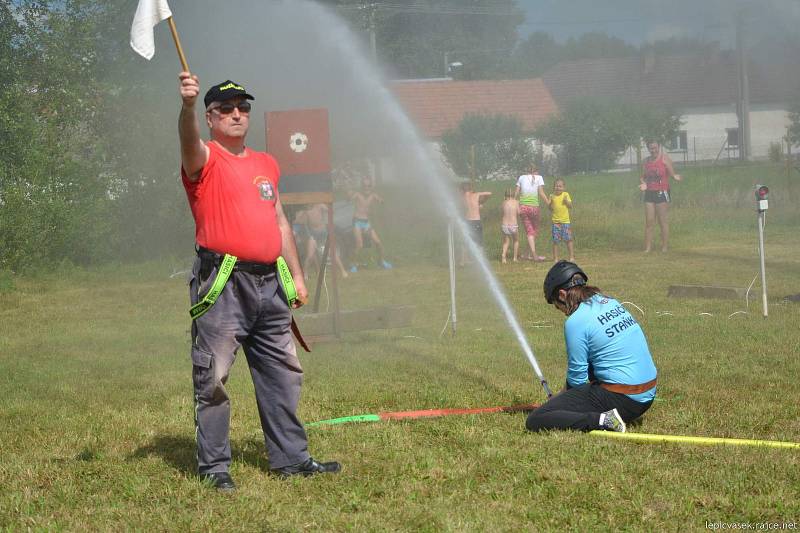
308, 468
222, 481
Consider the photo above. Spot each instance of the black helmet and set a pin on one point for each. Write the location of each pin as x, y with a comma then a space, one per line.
559, 277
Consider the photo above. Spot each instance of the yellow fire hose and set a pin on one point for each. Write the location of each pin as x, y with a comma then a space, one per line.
683, 439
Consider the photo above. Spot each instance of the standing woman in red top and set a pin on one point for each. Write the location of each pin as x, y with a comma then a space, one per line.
654, 182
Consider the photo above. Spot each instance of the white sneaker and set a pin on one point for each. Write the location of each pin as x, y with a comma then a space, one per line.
611, 421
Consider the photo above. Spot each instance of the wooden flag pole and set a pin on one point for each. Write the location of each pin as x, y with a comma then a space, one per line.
177, 40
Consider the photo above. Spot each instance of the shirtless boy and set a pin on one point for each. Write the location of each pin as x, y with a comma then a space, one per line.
472, 213
316, 220
510, 225
362, 202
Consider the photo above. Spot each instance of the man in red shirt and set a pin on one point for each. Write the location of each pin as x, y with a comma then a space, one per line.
233, 193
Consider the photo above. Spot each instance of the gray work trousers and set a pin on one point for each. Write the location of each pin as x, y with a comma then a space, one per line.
251, 312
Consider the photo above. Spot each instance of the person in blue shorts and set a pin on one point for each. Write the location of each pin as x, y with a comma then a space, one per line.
611, 377
316, 231
362, 229
560, 206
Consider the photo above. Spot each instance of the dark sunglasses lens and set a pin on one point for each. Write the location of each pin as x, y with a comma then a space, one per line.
227, 109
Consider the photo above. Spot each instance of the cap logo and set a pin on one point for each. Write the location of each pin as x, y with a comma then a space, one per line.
231, 86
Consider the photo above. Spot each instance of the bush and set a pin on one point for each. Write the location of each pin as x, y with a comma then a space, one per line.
793, 129
775, 152
593, 133
487, 146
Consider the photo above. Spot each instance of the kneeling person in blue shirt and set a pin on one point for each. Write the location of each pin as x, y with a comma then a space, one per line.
611, 377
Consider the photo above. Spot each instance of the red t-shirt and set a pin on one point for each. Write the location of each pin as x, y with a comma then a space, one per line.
655, 174
233, 204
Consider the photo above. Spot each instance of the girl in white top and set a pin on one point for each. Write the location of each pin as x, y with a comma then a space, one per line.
530, 191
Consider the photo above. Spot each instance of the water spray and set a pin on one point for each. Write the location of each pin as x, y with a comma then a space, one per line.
502, 302
338, 39
341, 38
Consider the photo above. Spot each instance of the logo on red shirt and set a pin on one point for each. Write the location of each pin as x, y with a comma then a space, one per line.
265, 188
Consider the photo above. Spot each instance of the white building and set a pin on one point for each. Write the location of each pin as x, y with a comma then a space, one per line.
702, 88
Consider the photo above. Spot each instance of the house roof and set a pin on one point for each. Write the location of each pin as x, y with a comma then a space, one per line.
438, 105
679, 81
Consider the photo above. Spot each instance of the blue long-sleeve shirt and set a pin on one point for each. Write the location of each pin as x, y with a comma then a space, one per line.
602, 334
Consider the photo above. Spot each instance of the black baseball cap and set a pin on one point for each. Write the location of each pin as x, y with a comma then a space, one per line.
225, 91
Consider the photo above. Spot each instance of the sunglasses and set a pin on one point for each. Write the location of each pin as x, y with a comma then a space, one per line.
227, 108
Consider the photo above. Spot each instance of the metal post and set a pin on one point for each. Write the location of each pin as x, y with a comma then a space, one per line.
373, 41
323, 264
334, 255
744, 88
472, 162
451, 257
763, 269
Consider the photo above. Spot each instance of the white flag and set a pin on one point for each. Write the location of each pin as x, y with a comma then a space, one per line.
148, 14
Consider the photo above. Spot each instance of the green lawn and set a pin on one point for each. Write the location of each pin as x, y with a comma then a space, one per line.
97, 401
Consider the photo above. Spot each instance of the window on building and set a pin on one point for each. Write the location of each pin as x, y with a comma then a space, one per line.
733, 136
679, 143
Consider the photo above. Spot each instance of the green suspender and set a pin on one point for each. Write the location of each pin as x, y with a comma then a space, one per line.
224, 272
286, 280
289, 289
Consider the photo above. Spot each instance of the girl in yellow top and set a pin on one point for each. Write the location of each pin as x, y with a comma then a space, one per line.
560, 205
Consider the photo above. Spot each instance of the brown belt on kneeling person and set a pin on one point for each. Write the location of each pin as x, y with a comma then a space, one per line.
629, 389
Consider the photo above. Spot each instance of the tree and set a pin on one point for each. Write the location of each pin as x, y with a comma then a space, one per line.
793, 129
485, 146
646, 123
592, 134
53, 199
535, 55
84, 174
138, 137
595, 45
681, 46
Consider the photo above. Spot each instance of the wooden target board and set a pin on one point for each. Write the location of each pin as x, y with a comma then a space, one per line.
299, 140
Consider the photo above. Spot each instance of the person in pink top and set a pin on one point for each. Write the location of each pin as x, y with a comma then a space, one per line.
530, 192
654, 183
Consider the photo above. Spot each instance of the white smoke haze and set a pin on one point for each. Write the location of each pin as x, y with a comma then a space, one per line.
663, 32
639, 22
296, 54
299, 55
289, 55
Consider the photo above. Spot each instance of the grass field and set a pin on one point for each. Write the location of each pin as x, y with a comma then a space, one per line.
97, 402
